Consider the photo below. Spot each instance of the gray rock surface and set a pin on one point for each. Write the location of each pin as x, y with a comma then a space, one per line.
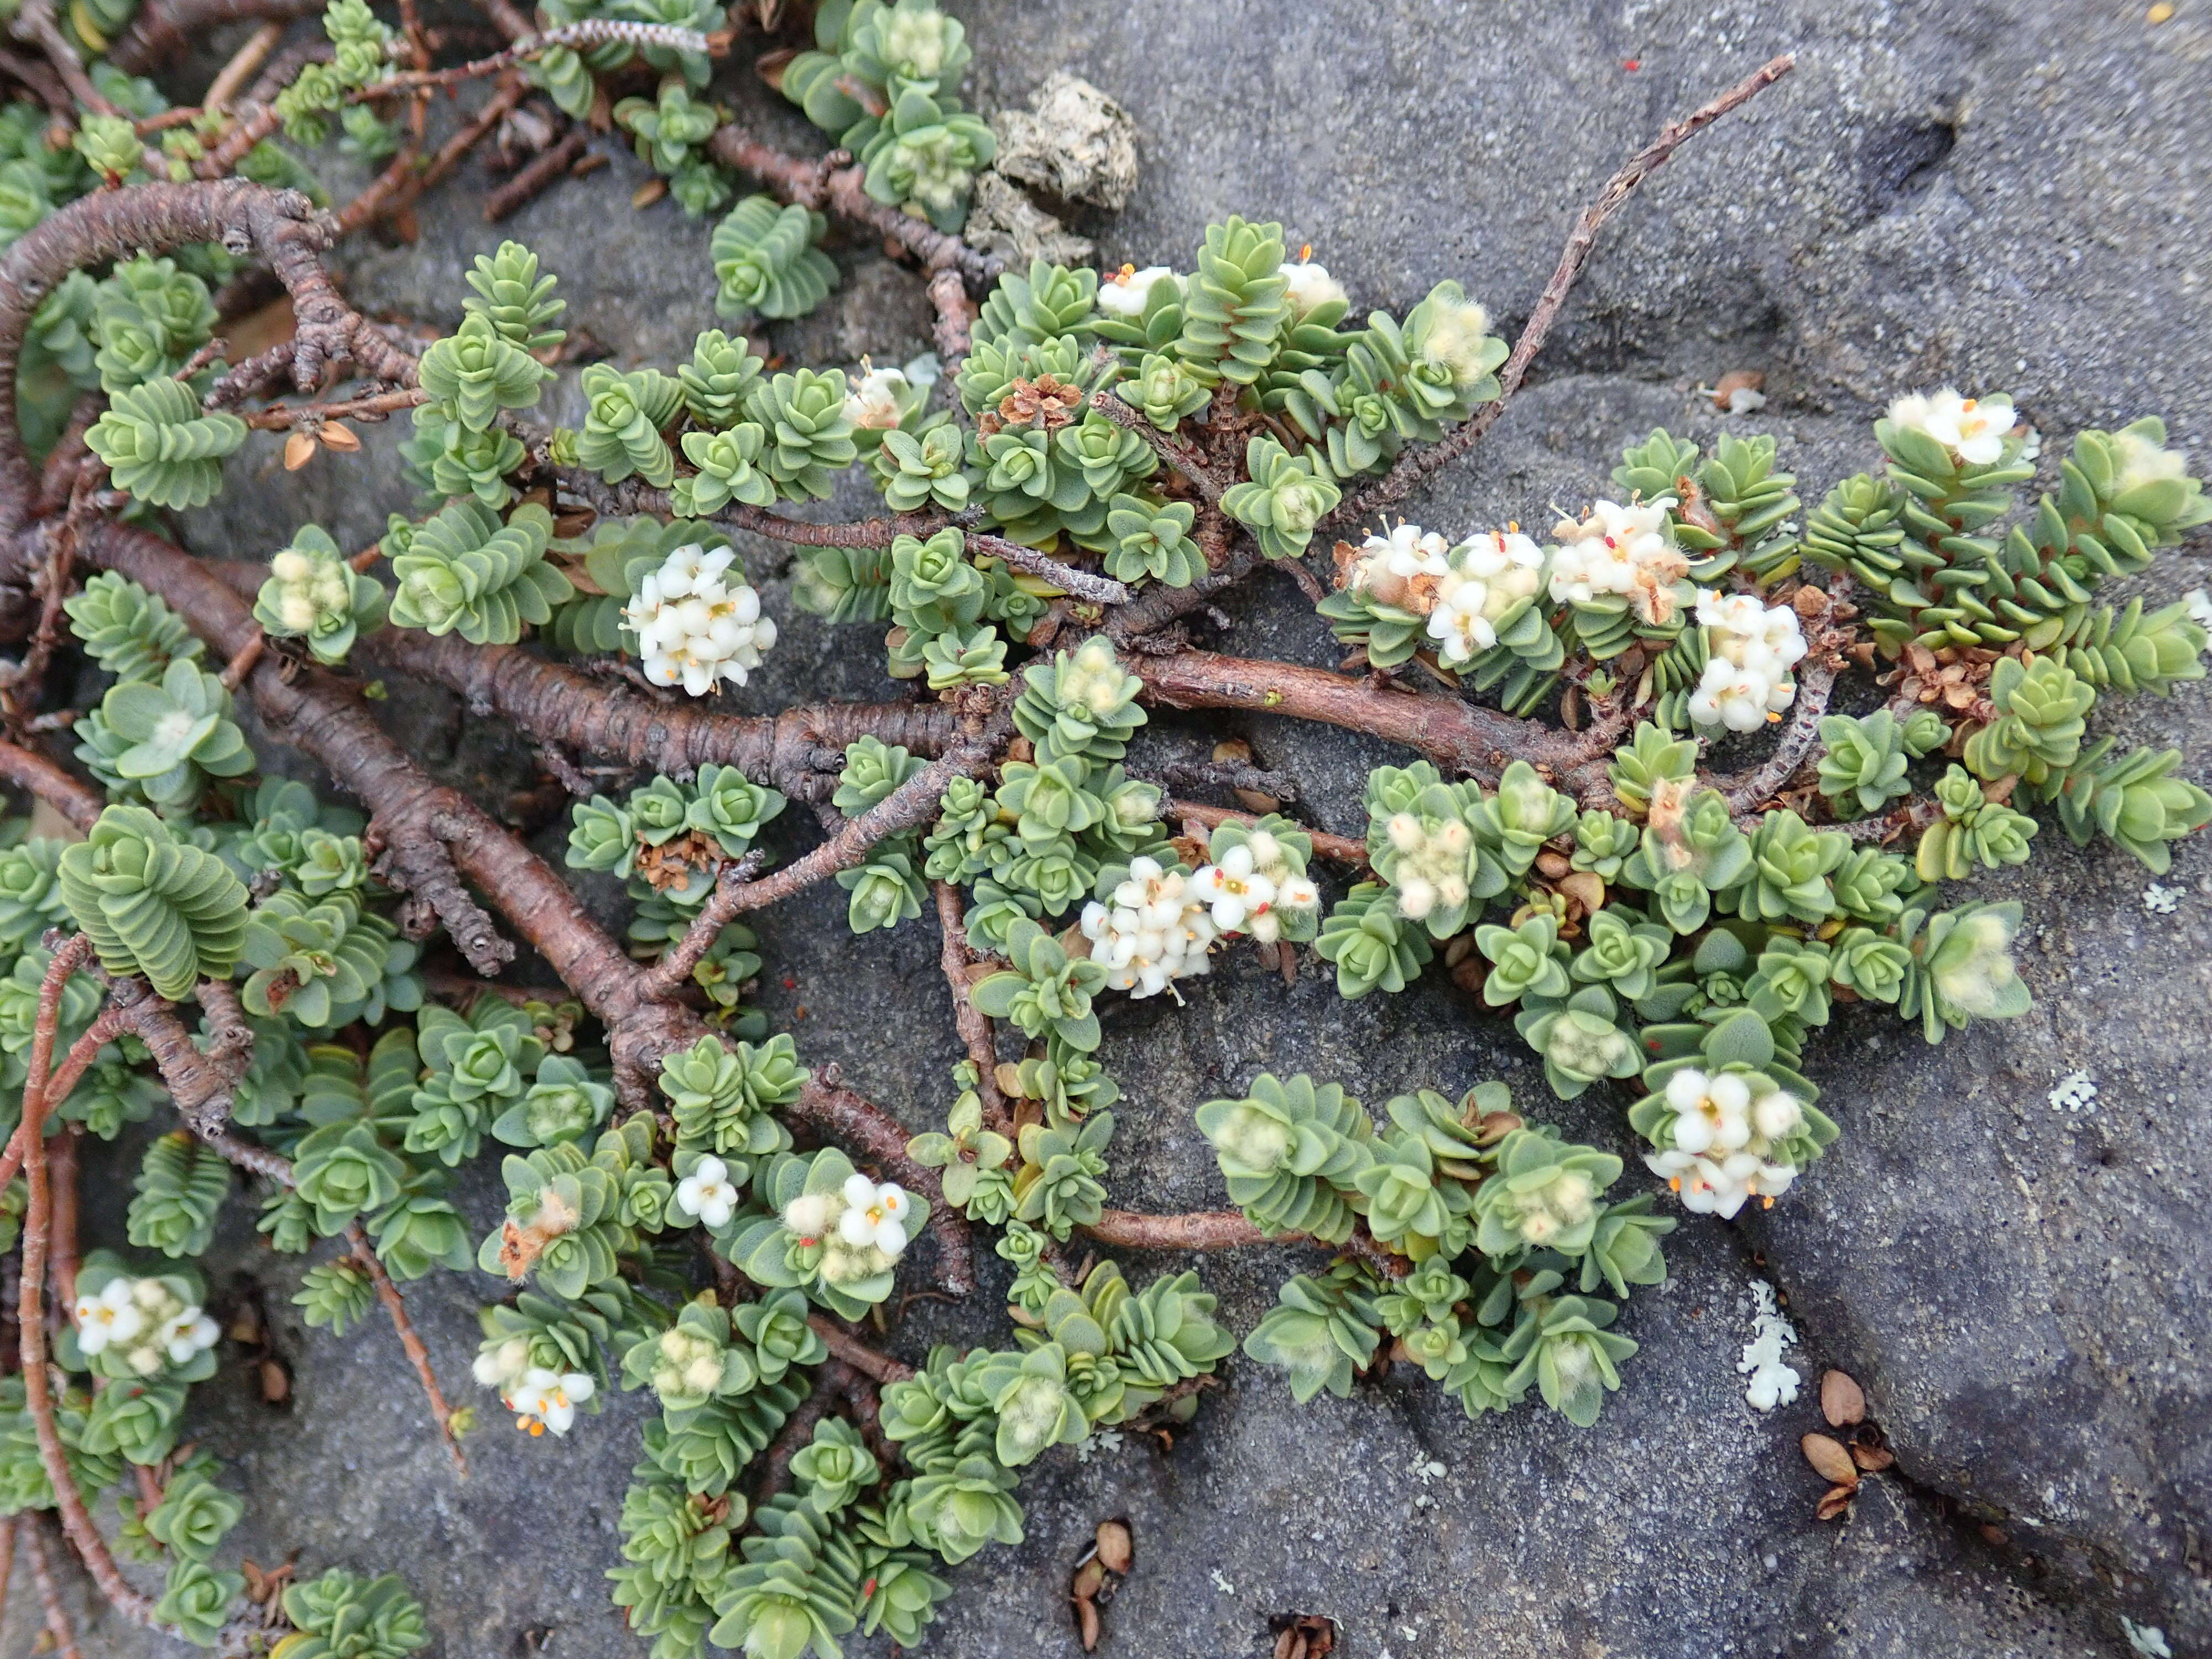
2002, 194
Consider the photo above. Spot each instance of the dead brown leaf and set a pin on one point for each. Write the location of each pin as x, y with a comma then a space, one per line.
299, 450
1829, 1459
336, 435
1835, 1504
1087, 1629
1090, 1579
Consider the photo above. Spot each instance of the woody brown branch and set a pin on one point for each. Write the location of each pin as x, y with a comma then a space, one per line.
836, 185
666, 977
1226, 1229
1458, 736
282, 227
29, 770
844, 1345
163, 31
591, 716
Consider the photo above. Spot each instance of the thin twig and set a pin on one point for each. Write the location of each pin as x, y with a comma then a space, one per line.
50, 1590
971, 1022
856, 1354
1099, 590
1417, 465
417, 1354
31, 1309
913, 804
1181, 453
539, 175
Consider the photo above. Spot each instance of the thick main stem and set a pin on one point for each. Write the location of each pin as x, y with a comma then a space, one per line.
1459, 736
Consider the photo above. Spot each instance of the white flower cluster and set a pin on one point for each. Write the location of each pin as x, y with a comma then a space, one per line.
1124, 293
144, 1321
863, 1226
1972, 428
540, 1399
1724, 1141
1485, 577
697, 623
1463, 591
1252, 888
707, 1193
1620, 550
543, 1400
1156, 929
1753, 649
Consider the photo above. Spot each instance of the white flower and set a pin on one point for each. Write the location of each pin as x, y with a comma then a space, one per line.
1458, 625
187, 1333
1719, 1185
706, 1193
875, 1215
1624, 551
497, 1366
1753, 649
1309, 287
1236, 890
1124, 293
877, 400
696, 624
1710, 1111
1155, 930
548, 1399
110, 1317
1972, 428
1724, 1141
811, 1215
1401, 569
